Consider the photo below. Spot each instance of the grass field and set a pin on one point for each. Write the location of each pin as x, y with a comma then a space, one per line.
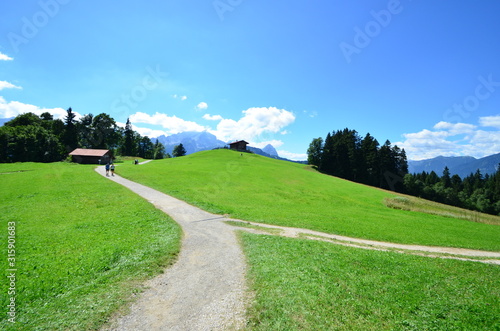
83, 245
309, 285
255, 188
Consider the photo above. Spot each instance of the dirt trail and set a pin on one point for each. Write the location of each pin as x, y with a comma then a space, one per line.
440, 252
205, 288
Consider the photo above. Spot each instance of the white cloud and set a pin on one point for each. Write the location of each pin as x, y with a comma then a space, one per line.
490, 121
145, 132
255, 122
182, 97
455, 128
173, 124
453, 139
311, 114
4, 85
275, 143
14, 108
4, 57
202, 106
292, 156
209, 117
483, 143
427, 144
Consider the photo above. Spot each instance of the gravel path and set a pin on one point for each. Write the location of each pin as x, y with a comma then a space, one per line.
205, 288
429, 251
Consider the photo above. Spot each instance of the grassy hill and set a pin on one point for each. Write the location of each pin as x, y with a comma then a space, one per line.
82, 245
255, 188
302, 284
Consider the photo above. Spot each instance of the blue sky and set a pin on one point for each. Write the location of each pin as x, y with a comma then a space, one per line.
423, 74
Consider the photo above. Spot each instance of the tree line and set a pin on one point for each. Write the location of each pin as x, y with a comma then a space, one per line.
474, 192
32, 138
346, 155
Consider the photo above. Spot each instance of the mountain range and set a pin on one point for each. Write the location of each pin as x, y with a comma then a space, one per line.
192, 141
200, 141
459, 165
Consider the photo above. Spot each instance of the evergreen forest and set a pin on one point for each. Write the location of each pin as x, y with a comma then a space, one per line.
346, 155
32, 138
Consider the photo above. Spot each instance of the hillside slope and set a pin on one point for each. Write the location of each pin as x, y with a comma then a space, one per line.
255, 188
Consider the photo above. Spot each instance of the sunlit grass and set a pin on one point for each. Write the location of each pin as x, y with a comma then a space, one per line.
303, 284
83, 245
425, 206
255, 188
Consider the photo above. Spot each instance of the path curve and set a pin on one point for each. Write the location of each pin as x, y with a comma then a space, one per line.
205, 289
462, 254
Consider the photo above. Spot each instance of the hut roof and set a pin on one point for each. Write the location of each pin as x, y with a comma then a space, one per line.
239, 141
89, 152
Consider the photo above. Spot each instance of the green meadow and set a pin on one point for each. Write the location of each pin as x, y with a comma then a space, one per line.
83, 245
304, 284
254, 188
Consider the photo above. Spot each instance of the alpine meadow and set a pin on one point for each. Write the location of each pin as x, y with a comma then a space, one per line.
250, 165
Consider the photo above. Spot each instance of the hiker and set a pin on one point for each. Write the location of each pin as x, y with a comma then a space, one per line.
107, 169
112, 169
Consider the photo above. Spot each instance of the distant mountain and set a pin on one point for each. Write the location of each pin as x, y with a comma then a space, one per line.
460, 165
269, 149
259, 151
201, 141
275, 156
192, 141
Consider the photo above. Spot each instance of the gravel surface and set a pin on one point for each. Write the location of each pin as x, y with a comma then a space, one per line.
205, 289
430, 251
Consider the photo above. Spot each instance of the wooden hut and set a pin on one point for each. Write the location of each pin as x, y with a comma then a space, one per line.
240, 145
91, 156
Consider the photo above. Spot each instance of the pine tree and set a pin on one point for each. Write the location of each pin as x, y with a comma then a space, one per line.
70, 137
446, 178
385, 164
369, 162
179, 150
128, 146
326, 163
